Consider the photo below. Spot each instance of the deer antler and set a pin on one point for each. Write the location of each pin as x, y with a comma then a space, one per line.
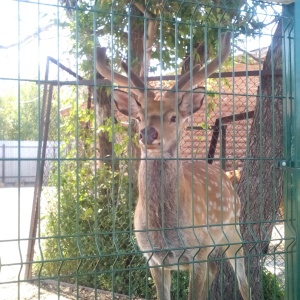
105, 71
137, 82
198, 73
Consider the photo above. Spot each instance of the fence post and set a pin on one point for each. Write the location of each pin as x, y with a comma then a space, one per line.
214, 141
291, 77
3, 163
43, 137
224, 142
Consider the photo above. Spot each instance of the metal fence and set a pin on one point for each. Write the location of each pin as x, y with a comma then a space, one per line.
85, 240
19, 161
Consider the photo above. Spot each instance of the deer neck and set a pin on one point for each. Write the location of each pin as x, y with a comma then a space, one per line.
159, 181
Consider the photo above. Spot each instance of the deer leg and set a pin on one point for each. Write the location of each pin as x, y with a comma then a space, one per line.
237, 263
162, 279
213, 269
198, 281
202, 275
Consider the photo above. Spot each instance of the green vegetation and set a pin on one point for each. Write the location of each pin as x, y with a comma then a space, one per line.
180, 31
89, 221
19, 113
271, 287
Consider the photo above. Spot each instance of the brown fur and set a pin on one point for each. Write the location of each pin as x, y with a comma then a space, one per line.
235, 177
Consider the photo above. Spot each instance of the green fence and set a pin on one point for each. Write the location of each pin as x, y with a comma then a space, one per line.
187, 162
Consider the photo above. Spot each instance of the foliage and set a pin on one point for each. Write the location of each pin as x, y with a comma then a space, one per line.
113, 129
88, 222
182, 26
19, 111
271, 287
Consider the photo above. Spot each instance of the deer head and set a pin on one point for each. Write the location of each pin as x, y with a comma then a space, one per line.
161, 122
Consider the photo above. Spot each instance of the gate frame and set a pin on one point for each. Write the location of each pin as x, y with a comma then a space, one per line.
291, 115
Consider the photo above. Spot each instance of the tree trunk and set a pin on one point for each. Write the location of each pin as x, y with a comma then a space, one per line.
105, 146
137, 55
261, 185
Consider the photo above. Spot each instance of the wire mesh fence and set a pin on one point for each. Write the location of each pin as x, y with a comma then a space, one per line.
85, 240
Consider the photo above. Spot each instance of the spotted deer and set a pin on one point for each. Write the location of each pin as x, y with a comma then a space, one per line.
185, 209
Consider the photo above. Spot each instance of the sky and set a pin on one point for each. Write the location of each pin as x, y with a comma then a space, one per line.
19, 20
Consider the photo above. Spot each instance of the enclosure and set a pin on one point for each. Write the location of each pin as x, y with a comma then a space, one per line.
83, 82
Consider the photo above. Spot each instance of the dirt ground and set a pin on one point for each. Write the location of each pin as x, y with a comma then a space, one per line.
48, 290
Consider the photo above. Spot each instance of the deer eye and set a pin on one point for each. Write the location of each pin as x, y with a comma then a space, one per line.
173, 119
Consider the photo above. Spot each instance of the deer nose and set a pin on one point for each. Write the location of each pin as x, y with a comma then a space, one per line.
148, 135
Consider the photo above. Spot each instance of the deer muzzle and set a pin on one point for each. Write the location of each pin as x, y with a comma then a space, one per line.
148, 136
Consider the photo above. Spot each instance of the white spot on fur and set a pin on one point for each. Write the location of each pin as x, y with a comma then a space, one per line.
213, 219
231, 214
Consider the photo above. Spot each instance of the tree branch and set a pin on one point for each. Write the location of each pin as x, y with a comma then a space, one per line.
69, 6
247, 53
151, 33
28, 38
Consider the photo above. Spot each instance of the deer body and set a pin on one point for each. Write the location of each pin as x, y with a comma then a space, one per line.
185, 209
180, 209
171, 216
176, 228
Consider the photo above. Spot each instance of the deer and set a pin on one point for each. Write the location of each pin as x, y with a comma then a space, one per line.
185, 209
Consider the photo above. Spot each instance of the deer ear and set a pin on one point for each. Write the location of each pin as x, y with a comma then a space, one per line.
126, 104
191, 102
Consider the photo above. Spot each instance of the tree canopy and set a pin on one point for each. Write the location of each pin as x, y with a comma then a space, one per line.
121, 27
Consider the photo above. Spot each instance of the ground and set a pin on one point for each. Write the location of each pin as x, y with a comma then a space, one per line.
48, 291
15, 214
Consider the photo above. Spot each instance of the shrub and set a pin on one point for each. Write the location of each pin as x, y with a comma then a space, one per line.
88, 235
271, 286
